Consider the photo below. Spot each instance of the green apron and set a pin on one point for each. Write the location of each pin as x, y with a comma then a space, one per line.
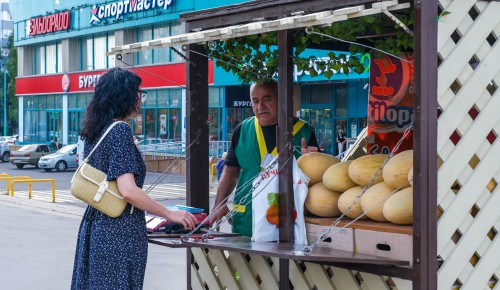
250, 156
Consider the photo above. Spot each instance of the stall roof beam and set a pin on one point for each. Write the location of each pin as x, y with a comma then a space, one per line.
291, 22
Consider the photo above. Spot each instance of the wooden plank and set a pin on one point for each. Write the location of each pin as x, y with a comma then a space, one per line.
462, 53
469, 241
205, 269
292, 251
249, 11
453, 19
224, 275
402, 284
318, 277
196, 280
344, 279
247, 277
371, 281
297, 277
260, 266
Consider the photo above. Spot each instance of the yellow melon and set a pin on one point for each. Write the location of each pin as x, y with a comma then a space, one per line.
372, 202
314, 165
410, 176
322, 201
336, 177
395, 172
346, 200
363, 169
398, 208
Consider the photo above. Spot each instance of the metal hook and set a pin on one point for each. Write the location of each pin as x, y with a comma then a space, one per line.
309, 29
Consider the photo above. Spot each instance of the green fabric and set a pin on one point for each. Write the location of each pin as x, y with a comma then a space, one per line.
248, 155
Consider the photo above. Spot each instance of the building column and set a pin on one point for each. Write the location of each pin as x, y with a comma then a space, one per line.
70, 48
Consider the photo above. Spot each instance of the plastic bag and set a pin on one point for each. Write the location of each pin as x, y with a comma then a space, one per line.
265, 205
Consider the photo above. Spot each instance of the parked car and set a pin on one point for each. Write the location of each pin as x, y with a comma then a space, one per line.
30, 154
4, 151
63, 159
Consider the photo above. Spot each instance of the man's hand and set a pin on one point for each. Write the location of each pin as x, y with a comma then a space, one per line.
307, 149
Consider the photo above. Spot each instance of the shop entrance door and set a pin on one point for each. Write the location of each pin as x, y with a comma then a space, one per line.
54, 125
74, 125
322, 121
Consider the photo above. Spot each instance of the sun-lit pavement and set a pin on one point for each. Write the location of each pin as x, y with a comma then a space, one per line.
38, 239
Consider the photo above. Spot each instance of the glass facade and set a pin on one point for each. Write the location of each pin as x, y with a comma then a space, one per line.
42, 118
159, 55
48, 58
325, 107
94, 50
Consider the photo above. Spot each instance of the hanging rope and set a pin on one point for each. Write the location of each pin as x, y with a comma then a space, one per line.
120, 58
308, 249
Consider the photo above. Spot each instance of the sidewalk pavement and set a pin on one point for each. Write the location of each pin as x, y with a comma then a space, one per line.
37, 247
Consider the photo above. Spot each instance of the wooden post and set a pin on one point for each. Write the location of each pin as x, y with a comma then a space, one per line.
425, 147
197, 169
284, 136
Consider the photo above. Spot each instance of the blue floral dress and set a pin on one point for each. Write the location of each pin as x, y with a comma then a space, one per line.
111, 253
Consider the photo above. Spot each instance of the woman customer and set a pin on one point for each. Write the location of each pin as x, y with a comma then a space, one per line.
111, 253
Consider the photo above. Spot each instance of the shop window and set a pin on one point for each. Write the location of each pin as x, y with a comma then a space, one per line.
321, 94
162, 98
100, 52
175, 98
175, 127
111, 43
176, 29
146, 56
48, 59
340, 100
318, 94
214, 97
94, 52
161, 55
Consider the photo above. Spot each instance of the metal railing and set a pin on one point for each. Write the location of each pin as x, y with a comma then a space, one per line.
178, 148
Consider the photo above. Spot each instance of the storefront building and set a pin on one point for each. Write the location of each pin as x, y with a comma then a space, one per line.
62, 52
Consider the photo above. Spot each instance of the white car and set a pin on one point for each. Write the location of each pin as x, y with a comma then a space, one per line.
63, 159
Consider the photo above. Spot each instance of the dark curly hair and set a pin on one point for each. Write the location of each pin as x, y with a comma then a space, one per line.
115, 97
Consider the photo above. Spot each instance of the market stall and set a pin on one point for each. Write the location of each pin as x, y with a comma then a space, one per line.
468, 33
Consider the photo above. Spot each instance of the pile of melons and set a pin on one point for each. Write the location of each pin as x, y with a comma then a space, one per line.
335, 185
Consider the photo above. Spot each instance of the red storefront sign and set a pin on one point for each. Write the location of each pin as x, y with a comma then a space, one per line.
390, 104
49, 23
156, 76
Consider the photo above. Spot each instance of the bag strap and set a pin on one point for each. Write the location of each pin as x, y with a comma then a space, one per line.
101, 139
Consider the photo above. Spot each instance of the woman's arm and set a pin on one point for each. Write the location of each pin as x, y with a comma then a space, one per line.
138, 198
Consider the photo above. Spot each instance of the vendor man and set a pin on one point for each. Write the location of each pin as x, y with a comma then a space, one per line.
253, 142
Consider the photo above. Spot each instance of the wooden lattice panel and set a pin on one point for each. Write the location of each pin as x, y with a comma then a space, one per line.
216, 269
468, 128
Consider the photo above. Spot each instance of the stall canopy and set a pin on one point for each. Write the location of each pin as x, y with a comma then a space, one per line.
298, 19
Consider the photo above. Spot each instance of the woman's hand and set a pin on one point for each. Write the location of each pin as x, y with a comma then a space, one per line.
187, 219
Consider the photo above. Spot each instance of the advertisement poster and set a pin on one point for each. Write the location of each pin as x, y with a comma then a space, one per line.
163, 124
390, 103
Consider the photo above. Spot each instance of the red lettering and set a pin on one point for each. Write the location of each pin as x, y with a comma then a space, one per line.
386, 66
50, 23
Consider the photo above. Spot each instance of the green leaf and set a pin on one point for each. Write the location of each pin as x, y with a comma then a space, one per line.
272, 198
